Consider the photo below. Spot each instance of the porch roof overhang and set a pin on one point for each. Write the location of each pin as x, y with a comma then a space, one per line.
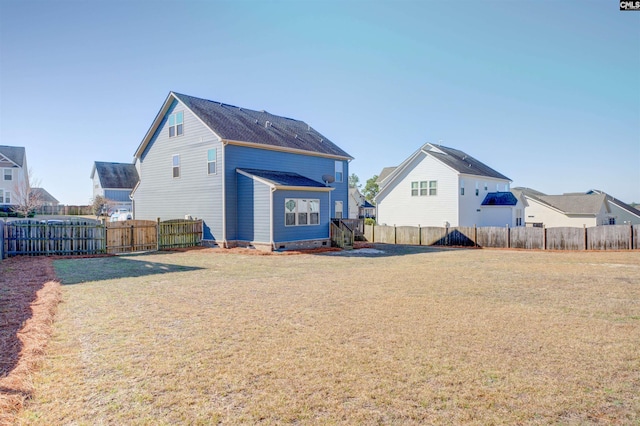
289, 181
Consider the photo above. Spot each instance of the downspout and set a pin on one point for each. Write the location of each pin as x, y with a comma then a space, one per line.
273, 244
224, 197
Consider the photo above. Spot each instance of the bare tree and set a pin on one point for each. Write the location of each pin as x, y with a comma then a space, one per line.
101, 206
26, 196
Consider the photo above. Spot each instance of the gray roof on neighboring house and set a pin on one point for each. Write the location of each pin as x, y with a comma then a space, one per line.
584, 204
116, 175
462, 162
277, 178
500, 199
519, 190
233, 123
16, 154
385, 172
45, 197
617, 202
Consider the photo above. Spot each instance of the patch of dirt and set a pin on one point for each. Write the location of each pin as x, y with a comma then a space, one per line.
29, 296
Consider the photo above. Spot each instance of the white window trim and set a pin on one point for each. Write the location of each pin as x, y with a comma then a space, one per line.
176, 124
4, 177
215, 161
7, 194
339, 168
308, 202
173, 167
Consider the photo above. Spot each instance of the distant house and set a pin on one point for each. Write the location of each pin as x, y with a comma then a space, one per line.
441, 186
254, 178
591, 208
14, 174
45, 198
114, 181
359, 207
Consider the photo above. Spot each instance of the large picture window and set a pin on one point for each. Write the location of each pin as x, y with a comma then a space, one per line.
176, 123
300, 212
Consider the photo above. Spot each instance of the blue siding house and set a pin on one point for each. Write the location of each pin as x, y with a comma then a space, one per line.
254, 178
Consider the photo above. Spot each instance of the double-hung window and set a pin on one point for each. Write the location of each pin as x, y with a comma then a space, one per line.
433, 187
414, 189
176, 123
461, 187
300, 212
339, 171
8, 174
176, 166
7, 197
211, 161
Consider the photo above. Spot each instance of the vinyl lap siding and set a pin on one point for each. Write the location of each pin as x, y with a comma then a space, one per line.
254, 212
469, 203
195, 192
308, 166
398, 207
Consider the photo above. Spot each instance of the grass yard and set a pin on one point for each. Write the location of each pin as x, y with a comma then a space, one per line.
407, 336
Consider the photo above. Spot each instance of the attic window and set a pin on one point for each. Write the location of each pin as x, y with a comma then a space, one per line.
176, 123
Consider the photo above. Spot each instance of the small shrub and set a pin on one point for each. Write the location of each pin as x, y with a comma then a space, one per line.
369, 221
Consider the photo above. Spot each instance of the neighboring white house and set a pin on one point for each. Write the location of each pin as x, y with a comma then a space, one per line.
13, 174
593, 208
441, 186
359, 207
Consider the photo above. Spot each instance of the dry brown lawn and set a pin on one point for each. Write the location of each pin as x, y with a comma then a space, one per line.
409, 336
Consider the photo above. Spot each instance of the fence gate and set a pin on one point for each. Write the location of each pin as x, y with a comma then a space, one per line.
131, 235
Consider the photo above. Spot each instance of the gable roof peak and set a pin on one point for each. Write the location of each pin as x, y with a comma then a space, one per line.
258, 127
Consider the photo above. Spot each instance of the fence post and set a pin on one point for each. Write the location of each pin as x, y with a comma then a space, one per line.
584, 243
475, 235
544, 237
508, 236
158, 234
630, 236
132, 238
419, 235
373, 233
2, 238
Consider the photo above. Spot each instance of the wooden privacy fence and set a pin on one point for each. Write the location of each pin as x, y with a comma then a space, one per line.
34, 238
608, 237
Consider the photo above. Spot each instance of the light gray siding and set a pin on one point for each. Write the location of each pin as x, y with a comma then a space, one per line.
195, 192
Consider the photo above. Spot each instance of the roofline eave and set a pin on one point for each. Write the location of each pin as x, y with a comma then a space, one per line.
284, 149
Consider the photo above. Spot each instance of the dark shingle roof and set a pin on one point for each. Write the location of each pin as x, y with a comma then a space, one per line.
462, 162
117, 175
14, 153
284, 178
500, 199
244, 125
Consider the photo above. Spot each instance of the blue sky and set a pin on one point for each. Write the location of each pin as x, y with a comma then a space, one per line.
546, 92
